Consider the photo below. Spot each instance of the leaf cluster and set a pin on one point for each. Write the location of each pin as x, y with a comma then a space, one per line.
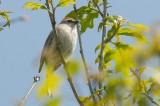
4, 14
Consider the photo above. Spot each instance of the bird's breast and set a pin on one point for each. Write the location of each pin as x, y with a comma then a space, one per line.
68, 38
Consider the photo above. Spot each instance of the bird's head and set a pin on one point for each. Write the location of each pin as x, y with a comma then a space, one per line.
69, 21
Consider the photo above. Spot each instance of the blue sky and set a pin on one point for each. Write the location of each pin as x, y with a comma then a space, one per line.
21, 44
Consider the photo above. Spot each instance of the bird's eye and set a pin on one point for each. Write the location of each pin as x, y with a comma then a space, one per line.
69, 21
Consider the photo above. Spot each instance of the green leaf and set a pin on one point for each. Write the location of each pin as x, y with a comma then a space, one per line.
123, 59
82, 98
122, 55
100, 26
35, 6
64, 3
54, 102
97, 60
87, 22
141, 69
112, 20
80, 12
109, 56
111, 31
6, 11
86, 100
73, 66
51, 84
97, 1
98, 48
5, 16
122, 45
86, 16
137, 33
139, 26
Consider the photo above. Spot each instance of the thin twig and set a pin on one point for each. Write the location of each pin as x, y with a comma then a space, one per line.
114, 33
151, 99
83, 57
53, 22
103, 45
99, 10
15, 20
36, 79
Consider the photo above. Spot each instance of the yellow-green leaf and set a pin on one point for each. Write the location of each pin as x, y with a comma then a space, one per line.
109, 56
141, 69
122, 45
98, 48
97, 60
87, 22
5, 16
73, 66
86, 100
54, 102
137, 33
139, 26
63, 3
34, 6
51, 84
123, 60
100, 26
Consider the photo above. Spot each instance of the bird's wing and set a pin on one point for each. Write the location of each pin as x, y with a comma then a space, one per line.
45, 48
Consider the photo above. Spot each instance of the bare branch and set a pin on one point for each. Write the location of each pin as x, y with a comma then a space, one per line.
83, 57
103, 45
151, 99
36, 79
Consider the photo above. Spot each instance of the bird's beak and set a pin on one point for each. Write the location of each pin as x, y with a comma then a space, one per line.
76, 22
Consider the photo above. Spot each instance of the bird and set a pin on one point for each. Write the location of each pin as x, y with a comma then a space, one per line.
67, 34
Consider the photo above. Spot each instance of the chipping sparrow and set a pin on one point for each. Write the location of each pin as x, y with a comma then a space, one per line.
67, 34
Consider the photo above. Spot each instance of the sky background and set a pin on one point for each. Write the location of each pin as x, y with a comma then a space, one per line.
22, 43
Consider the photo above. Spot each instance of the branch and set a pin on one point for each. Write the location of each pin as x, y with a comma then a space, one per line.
83, 57
36, 79
53, 22
15, 20
103, 45
99, 10
151, 99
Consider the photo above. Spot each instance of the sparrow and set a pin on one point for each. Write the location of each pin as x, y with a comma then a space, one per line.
67, 34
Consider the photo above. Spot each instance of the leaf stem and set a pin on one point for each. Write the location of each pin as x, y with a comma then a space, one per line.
83, 57
111, 37
53, 22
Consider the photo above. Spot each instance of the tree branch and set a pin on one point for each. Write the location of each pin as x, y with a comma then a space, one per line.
36, 79
53, 22
83, 57
103, 45
99, 10
151, 99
